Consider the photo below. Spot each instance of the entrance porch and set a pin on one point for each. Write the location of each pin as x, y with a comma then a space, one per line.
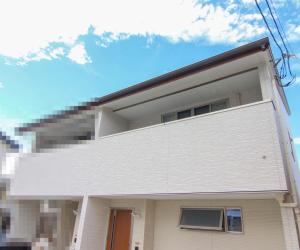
158, 224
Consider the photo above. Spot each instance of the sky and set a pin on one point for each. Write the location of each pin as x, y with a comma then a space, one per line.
58, 53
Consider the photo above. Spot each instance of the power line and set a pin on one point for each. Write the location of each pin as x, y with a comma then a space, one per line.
286, 49
284, 61
281, 26
282, 70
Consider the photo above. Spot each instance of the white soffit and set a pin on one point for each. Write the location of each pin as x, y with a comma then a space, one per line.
220, 71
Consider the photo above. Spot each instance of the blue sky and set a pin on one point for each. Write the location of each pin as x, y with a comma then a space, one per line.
55, 54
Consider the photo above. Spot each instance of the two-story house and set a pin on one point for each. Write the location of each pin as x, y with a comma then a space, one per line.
198, 158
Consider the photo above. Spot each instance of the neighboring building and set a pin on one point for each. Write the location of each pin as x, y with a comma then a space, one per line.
198, 158
7, 147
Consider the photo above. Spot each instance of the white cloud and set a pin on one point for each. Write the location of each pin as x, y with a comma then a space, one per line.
57, 52
79, 55
1, 85
31, 30
294, 32
248, 1
297, 141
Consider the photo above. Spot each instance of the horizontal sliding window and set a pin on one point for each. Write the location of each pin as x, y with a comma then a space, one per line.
169, 117
202, 218
184, 114
216, 106
219, 219
200, 110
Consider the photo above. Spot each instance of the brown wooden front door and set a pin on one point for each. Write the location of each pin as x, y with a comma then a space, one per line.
119, 230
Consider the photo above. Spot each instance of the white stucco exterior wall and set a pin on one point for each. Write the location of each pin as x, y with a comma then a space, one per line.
289, 228
108, 123
24, 221
93, 224
149, 224
287, 147
66, 223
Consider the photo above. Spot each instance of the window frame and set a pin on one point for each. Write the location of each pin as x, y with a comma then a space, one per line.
225, 100
223, 220
218, 229
192, 109
189, 110
242, 221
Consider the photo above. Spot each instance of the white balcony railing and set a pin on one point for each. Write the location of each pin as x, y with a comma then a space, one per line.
233, 150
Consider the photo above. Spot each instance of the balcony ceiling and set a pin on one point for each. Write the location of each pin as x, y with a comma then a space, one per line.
202, 94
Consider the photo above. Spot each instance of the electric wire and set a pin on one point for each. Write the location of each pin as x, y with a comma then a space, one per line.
284, 44
277, 44
282, 34
285, 57
281, 26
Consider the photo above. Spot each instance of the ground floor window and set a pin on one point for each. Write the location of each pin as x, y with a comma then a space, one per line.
219, 219
202, 218
234, 220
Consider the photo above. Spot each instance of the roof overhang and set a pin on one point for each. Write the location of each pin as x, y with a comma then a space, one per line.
231, 55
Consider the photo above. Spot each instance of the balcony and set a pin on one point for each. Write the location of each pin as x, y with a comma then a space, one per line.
232, 150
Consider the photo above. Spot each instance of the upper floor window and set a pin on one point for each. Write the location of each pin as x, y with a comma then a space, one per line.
198, 110
184, 114
202, 110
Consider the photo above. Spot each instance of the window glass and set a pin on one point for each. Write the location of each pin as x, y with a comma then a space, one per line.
218, 106
234, 220
169, 117
201, 218
184, 114
201, 110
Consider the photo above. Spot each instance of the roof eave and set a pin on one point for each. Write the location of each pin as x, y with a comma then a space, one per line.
245, 50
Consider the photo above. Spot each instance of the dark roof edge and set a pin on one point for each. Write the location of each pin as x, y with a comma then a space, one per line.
247, 49
9, 142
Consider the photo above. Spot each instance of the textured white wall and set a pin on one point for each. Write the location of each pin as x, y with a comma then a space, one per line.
262, 227
25, 216
232, 150
93, 226
287, 146
149, 224
110, 123
251, 95
66, 223
289, 228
